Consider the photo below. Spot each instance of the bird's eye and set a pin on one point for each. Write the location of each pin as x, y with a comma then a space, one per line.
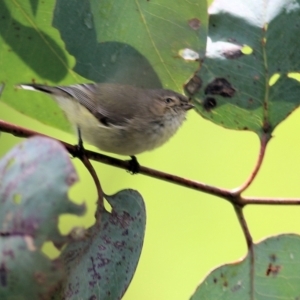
169, 100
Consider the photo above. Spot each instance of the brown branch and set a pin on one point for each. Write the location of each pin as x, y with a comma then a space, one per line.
73, 150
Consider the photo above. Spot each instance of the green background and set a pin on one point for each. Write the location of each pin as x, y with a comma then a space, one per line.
189, 233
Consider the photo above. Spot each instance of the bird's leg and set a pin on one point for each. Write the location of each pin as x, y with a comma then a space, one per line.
80, 148
134, 166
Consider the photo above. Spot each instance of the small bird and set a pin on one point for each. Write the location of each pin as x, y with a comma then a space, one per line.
120, 119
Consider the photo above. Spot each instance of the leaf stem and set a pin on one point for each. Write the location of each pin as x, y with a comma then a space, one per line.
263, 145
240, 215
94, 175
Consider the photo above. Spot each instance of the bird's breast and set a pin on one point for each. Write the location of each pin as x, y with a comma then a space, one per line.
137, 136
161, 131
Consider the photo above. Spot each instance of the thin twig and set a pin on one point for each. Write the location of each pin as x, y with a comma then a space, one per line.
263, 144
240, 215
90, 168
93, 173
269, 201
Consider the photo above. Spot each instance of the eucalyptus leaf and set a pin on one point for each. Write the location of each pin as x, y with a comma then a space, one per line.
133, 42
102, 265
252, 51
273, 274
35, 178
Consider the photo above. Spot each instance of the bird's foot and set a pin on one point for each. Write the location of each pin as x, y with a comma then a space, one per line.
133, 165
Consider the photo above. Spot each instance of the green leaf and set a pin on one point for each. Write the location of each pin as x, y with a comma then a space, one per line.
100, 62
133, 42
144, 53
31, 50
35, 178
275, 268
237, 90
31, 43
102, 265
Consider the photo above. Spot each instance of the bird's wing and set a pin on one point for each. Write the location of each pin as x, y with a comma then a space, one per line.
103, 108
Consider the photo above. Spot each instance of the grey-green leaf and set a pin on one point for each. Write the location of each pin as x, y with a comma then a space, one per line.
35, 178
102, 265
26, 273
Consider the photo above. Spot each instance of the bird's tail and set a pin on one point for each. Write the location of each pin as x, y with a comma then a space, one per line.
55, 91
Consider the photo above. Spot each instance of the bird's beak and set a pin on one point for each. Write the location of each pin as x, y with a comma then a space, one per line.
188, 105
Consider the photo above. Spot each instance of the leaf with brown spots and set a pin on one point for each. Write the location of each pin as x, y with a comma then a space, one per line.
102, 265
249, 42
272, 275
